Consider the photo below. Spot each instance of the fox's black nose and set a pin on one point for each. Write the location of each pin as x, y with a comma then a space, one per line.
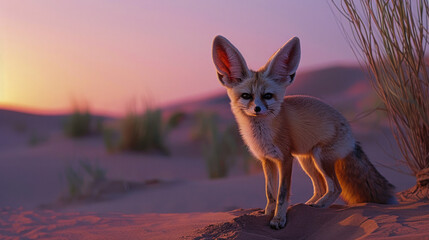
257, 109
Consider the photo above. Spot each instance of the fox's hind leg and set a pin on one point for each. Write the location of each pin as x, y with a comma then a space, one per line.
319, 184
325, 163
270, 172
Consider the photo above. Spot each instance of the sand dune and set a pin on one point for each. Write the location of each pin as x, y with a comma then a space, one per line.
22, 224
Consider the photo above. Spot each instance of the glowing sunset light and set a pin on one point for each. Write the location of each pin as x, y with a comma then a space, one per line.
109, 53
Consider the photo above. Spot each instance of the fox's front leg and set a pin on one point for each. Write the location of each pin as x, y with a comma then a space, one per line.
285, 170
270, 172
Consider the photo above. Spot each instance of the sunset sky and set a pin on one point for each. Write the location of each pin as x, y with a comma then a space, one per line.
112, 53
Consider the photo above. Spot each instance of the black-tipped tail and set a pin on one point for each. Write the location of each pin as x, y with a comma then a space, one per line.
361, 182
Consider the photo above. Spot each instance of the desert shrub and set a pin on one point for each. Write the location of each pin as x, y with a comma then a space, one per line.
219, 151
146, 131
143, 132
78, 124
175, 119
204, 122
95, 172
98, 126
221, 147
80, 178
391, 39
250, 163
74, 180
110, 139
36, 139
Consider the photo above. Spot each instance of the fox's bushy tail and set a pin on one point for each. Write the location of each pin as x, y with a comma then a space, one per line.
361, 182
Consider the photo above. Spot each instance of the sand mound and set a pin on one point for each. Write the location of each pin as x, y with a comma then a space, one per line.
338, 222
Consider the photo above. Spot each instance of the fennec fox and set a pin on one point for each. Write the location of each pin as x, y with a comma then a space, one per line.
277, 128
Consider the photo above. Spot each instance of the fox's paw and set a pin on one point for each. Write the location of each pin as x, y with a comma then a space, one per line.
270, 208
319, 205
278, 223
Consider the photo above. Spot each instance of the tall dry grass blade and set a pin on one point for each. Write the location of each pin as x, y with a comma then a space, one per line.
391, 38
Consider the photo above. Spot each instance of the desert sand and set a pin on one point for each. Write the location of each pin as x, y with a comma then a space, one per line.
153, 196
363, 221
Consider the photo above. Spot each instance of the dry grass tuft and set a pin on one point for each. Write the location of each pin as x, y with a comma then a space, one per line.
78, 179
78, 124
390, 37
143, 132
221, 145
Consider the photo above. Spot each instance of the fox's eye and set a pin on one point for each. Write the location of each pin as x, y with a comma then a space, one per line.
246, 96
268, 96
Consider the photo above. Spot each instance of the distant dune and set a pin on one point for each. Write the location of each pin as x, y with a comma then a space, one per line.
329, 84
10, 117
324, 83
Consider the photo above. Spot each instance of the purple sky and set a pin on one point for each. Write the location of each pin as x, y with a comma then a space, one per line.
111, 53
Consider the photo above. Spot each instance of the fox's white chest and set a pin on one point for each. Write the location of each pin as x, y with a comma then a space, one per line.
259, 137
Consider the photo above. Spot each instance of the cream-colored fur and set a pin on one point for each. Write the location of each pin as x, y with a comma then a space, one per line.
277, 129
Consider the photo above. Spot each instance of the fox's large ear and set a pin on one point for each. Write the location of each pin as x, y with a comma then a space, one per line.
230, 65
283, 64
